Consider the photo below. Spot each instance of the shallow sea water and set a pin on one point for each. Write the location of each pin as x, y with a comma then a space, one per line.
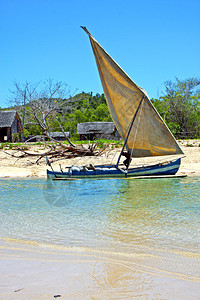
145, 234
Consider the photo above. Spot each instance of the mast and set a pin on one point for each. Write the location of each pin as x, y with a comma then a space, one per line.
129, 131
86, 30
124, 97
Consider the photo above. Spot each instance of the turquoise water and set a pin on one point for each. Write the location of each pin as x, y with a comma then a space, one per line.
102, 239
115, 214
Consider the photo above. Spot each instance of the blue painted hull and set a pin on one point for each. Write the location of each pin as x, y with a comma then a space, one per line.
169, 168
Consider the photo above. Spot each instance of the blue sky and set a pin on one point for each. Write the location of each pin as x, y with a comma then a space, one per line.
153, 41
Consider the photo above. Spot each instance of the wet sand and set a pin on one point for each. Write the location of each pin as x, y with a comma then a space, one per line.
26, 167
38, 271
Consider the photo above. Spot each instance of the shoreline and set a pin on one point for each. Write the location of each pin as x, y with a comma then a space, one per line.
31, 270
37, 270
11, 167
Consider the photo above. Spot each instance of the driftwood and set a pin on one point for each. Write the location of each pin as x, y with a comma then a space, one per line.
57, 151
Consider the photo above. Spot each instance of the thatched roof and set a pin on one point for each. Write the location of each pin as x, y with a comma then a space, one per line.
7, 118
58, 134
96, 127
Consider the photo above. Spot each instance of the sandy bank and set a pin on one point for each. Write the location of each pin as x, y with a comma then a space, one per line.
38, 271
26, 167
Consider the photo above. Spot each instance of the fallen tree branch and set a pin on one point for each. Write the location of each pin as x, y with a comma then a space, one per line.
65, 152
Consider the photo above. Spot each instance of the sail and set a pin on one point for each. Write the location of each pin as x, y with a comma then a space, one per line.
148, 135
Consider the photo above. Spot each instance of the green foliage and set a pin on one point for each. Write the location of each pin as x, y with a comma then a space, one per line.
180, 107
7, 146
15, 137
38, 143
32, 129
101, 143
26, 133
174, 127
83, 107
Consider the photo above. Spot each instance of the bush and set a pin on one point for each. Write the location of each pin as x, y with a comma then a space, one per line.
15, 137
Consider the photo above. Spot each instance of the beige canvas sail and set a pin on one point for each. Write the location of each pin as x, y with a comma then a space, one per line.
149, 136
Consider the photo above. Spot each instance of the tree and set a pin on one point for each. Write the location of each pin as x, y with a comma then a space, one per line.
41, 106
180, 107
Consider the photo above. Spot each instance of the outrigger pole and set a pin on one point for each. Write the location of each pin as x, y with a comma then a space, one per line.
129, 131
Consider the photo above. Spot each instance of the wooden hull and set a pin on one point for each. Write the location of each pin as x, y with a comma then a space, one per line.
169, 168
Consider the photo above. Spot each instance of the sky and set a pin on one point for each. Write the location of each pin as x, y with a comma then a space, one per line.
153, 41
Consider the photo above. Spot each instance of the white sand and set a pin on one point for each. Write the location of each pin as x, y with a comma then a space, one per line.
26, 167
39, 271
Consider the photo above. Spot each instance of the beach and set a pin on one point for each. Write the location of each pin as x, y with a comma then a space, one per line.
37, 271
140, 263
26, 167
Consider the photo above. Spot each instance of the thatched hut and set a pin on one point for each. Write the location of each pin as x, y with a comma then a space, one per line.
97, 130
59, 136
10, 126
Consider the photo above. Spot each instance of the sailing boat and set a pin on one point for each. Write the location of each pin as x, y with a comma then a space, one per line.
144, 132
